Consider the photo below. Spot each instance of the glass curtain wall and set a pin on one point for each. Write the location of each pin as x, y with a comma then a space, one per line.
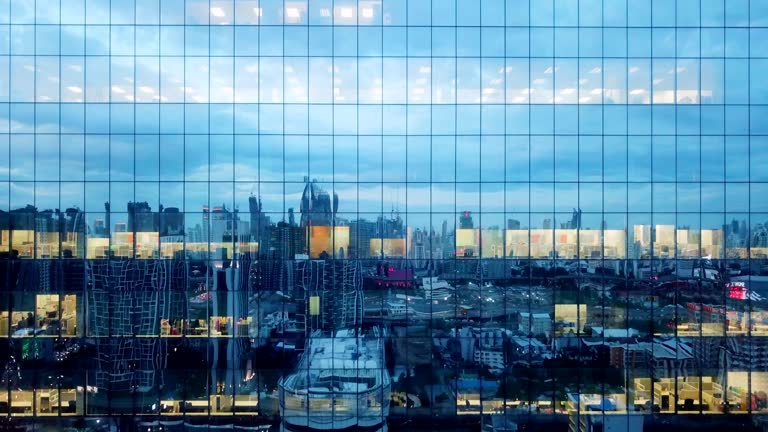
383, 214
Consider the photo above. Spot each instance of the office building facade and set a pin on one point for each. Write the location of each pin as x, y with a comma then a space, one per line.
225, 213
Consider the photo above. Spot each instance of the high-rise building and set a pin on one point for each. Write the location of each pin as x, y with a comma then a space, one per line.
465, 221
141, 218
286, 241
534, 210
361, 232
317, 207
171, 222
338, 350
259, 222
129, 298
332, 293
99, 228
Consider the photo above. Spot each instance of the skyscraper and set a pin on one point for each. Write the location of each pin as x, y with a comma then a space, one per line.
260, 222
598, 166
317, 208
465, 221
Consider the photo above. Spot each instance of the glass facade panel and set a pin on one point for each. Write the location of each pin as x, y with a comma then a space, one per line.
372, 215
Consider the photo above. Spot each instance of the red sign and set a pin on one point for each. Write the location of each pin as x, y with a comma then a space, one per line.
737, 292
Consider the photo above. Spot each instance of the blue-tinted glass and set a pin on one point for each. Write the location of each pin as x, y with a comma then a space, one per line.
361, 215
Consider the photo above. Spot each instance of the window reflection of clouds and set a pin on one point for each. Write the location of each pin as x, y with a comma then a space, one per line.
675, 124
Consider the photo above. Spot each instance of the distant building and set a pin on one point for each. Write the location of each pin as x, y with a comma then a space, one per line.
259, 222
171, 222
360, 234
493, 358
99, 228
593, 413
535, 323
317, 207
125, 300
465, 221
285, 241
575, 220
663, 358
341, 383
435, 289
419, 244
331, 292
221, 227
141, 218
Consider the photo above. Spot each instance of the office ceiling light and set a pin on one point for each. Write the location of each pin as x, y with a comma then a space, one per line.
258, 11
367, 12
292, 12
218, 12
346, 12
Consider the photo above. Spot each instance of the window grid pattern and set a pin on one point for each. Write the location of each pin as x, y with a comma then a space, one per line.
191, 187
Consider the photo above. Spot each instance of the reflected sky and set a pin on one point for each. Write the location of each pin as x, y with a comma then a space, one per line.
422, 107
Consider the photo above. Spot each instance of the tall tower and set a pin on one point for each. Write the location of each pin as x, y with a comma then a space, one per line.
317, 207
332, 293
128, 298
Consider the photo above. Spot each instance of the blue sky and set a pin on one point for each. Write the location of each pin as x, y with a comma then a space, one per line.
429, 106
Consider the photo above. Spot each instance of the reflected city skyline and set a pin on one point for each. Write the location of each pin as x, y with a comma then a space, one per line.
383, 215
